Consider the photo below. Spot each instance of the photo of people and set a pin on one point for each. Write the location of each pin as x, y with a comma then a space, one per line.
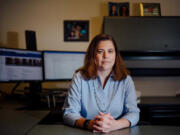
118, 9
76, 30
113, 9
124, 9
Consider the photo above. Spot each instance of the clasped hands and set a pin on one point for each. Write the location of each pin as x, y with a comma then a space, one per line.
103, 123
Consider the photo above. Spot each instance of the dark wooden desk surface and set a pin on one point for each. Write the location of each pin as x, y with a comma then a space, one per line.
18, 122
137, 130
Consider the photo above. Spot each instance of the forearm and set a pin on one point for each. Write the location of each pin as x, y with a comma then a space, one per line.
132, 117
120, 123
70, 118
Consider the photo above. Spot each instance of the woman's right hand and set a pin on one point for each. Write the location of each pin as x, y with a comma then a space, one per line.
103, 122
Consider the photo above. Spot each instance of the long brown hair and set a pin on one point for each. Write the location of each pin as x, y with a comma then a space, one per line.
89, 69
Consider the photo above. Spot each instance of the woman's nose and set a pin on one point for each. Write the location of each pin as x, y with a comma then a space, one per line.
105, 54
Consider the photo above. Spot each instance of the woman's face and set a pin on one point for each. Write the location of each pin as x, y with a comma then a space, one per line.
105, 55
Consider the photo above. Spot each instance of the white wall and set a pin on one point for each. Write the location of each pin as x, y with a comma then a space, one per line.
46, 18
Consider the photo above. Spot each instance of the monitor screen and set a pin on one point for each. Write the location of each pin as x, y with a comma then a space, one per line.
20, 65
60, 65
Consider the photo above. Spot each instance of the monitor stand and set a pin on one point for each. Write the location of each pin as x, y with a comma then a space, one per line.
35, 89
34, 96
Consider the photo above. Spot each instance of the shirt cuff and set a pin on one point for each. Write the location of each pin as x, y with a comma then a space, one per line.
132, 118
70, 119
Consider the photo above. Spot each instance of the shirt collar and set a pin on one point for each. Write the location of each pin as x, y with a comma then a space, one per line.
110, 76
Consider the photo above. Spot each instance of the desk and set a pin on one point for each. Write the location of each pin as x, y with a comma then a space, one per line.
137, 130
17, 122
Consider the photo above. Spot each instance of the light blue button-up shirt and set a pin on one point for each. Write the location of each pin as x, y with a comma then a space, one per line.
87, 97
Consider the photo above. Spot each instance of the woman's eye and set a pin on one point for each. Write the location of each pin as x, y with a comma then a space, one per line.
110, 51
99, 51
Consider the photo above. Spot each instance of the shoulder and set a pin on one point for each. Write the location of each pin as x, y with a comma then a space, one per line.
128, 80
78, 79
78, 76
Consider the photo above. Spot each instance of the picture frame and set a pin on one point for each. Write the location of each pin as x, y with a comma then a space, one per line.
150, 9
113, 8
76, 30
118, 9
124, 9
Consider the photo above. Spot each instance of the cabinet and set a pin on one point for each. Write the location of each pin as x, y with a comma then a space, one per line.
160, 111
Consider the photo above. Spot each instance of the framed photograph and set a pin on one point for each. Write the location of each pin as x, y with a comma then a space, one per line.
118, 9
76, 30
113, 8
150, 9
124, 9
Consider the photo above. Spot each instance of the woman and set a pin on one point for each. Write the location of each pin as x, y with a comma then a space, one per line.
102, 95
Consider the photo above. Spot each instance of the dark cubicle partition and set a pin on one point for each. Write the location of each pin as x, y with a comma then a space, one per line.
150, 46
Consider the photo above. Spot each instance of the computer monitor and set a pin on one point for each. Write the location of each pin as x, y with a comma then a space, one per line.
20, 65
61, 65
